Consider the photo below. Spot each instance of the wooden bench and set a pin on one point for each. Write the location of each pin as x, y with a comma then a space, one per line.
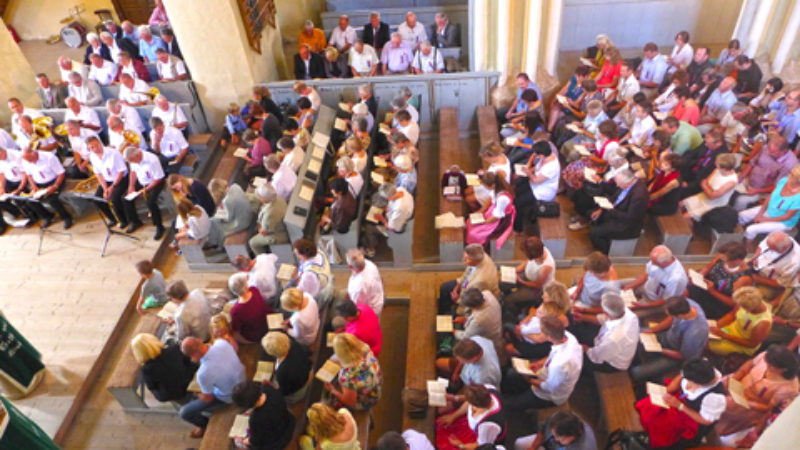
236, 243
623, 247
617, 400
553, 232
125, 383
401, 245
487, 127
451, 240
719, 239
675, 232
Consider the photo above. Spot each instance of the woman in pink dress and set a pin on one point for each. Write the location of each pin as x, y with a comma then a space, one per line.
498, 216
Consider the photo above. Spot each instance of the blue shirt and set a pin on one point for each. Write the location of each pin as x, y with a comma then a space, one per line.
574, 89
779, 205
624, 194
407, 180
220, 370
720, 103
149, 50
653, 70
788, 123
521, 105
134, 37
690, 336
234, 124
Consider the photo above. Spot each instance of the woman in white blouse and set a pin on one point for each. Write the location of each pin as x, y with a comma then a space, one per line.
682, 53
304, 321
493, 153
717, 189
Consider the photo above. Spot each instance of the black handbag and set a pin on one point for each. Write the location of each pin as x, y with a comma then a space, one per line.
548, 209
628, 440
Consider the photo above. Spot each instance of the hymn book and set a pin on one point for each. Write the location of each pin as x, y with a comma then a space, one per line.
318, 152
508, 274
264, 371
582, 150
285, 272
329, 339
377, 178
388, 117
314, 165
650, 342
340, 124
587, 62
372, 214
275, 321
444, 324
562, 99
697, 279
603, 202
378, 161
133, 195
448, 220
660, 115
472, 179
656, 393
589, 173
628, 297
574, 128
259, 181
40, 193
383, 128
320, 140
168, 310
345, 107
437, 392
306, 193
240, 152
194, 386
510, 141
476, 219
522, 366
736, 390
328, 371
519, 170
636, 151
240, 426
713, 323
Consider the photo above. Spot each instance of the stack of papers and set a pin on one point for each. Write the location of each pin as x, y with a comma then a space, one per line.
328, 371
168, 310
587, 62
378, 162
320, 140
582, 149
522, 366
448, 220
306, 193
377, 178
240, 152
314, 165
444, 324
437, 392
275, 321
345, 107
650, 342
472, 179
264, 371
476, 219
519, 170
258, 181
508, 274
318, 152
340, 124
697, 279
372, 213
239, 428
285, 272
574, 128
656, 393
133, 195
603, 202
628, 296
383, 128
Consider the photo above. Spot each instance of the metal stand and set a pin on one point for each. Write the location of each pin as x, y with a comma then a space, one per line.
109, 228
42, 232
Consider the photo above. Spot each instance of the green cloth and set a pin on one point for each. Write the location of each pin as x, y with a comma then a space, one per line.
20, 432
686, 138
19, 360
151, 302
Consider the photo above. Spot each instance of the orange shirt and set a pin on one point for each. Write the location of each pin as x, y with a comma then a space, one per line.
317, 42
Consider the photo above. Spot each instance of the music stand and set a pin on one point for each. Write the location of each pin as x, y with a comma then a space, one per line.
110, 231
42, 231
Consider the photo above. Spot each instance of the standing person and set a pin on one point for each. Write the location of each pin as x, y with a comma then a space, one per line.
166, 371
249, 314
443, 33
304, 322
220, 370
362, 323
376, 32
270, 424
365, 285
412, 32
145, 176
344, 36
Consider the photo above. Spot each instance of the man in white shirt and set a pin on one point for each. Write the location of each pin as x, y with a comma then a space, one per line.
363, 60
43, 171
102, 71
399, 209
261, 273
283, 177
145, 175
776, 261
86, 116
557, 374
304, 90
293, 155
17, 111
6, 141
652, 70
344, 36
11, 177
108, 39
133, 91
718, 104
26, 136
407, 126
170, 67
641, 133
169, 144
664, 277
116, 135
427, 60
412, 32
193, 316
66, 66
615, 344
133, 67
111, 170
77, 137
365, 285
87, 92
169, 113
130, 117
627, 87
400, 103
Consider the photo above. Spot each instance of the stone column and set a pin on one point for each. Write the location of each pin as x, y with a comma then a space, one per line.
17, 79
532, 32
756, 31
553, 35
787, 39
745, 20
477, 24
503, 32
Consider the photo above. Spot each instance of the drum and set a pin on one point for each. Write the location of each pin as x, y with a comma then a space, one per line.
74, 34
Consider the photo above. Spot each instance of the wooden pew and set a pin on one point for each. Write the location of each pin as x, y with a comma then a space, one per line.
617, 400
553, 231
719, 239
451, 240
675, 232
401, 245
125, 383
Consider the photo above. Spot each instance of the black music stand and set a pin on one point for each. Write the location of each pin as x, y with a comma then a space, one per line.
110, 231
42, 231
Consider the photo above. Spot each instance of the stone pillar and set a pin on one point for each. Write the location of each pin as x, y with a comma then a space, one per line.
756, 31
503, 32
787, 39
532, 31
553, 35
477, 24
216, 49
746, 15
17, 79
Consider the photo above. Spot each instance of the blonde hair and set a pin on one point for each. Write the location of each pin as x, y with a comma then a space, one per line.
217, 323
146, 347
558, 294
603, 39
550, 309
276, 344
324, 422
217, 187
748, 298
726, 161
352, 145
299, 87
186, 208
331, 53
613, 55
349, 349
292, 299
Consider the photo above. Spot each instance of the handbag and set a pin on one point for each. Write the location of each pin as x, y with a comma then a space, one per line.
548, 209
628, 440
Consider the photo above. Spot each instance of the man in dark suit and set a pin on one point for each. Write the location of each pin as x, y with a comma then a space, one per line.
444, 33
698, 164
307, 64
96, 46
376, 33
172, 45
52, 95
625, 219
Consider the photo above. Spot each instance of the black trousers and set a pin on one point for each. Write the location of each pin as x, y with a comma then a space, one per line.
75, 173
51, 200
525, 203
165, 164
152, 205
446, 303
604, 232
518, 395
123, 210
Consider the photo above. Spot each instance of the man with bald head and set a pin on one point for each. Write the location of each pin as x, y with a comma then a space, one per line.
718, 104
664, 277
169, 113
66, 66
412, 32
116, 138
776, 261
787, 115
220, 370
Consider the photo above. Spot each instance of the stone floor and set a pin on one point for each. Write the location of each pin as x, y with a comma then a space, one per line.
43, 57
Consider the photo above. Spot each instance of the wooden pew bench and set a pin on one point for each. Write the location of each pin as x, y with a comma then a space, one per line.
553, 232
401, 245
675, 232
125, 383
451, 240
487, 127
719, 239
623, 247
617, 400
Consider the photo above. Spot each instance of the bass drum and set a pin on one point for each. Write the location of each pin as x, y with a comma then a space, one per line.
74, 34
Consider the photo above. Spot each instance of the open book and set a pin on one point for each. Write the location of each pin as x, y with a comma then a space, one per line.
508, 274
510, 141
320, 140
239, 428
275, 321
697, 279
519, 170
340, 124
562, 99
656, 393
345, 107
582, 149
259, 181
306, 193
444, 324
587, 62
264, 371
285, 272
328, 371
168, 311
314, 165
437, 392
378, 161
589, 173
650, 342
372, 214
628, 297
240, 152
736, 390
713, 323
472, 179
522, 366
603, 202
448, 220
476, 219
133, 195
377, 178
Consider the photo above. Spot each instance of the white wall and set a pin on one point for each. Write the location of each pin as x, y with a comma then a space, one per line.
632, 23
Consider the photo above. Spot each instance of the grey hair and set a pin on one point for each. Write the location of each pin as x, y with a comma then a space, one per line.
131, 152
345, 16
144, 29
75, 76
405, 91
374, 14
738, 107
387, 190
613, 304
237, 283
112, 103
92, 37
114, 121
379, 201
355, 258
266, 193
625, 175
346, 163
399, 103
159, 97
425, 44
106, 34
365, 88
662, 254
779, 239
475, 252
397, 34
441, 16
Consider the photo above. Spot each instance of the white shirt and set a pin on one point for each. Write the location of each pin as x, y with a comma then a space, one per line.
359, 162
76, 67
411, 131
413, 111
173, 115
105, 74
88, 93
399, 211
172, 142
165, 69
284, 180
11, 167
115, 140
364, 61
532, 268
114, 49
546, 191
86, 115
682, 57
30, 112
78, 143
366, 287
199, 226
130, 70
136, 94
413, 36
305, 323
713, 405
500, 203
356, 182
148, 169
561, 371
627, 88
110, 165
314, 98
6, 141
131, 118
653, 70
45, 170
416, 440
294, 159
783, 270
616, 342
262, 275
665, 283
309, 282
341, 38
430, 63
642, 131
